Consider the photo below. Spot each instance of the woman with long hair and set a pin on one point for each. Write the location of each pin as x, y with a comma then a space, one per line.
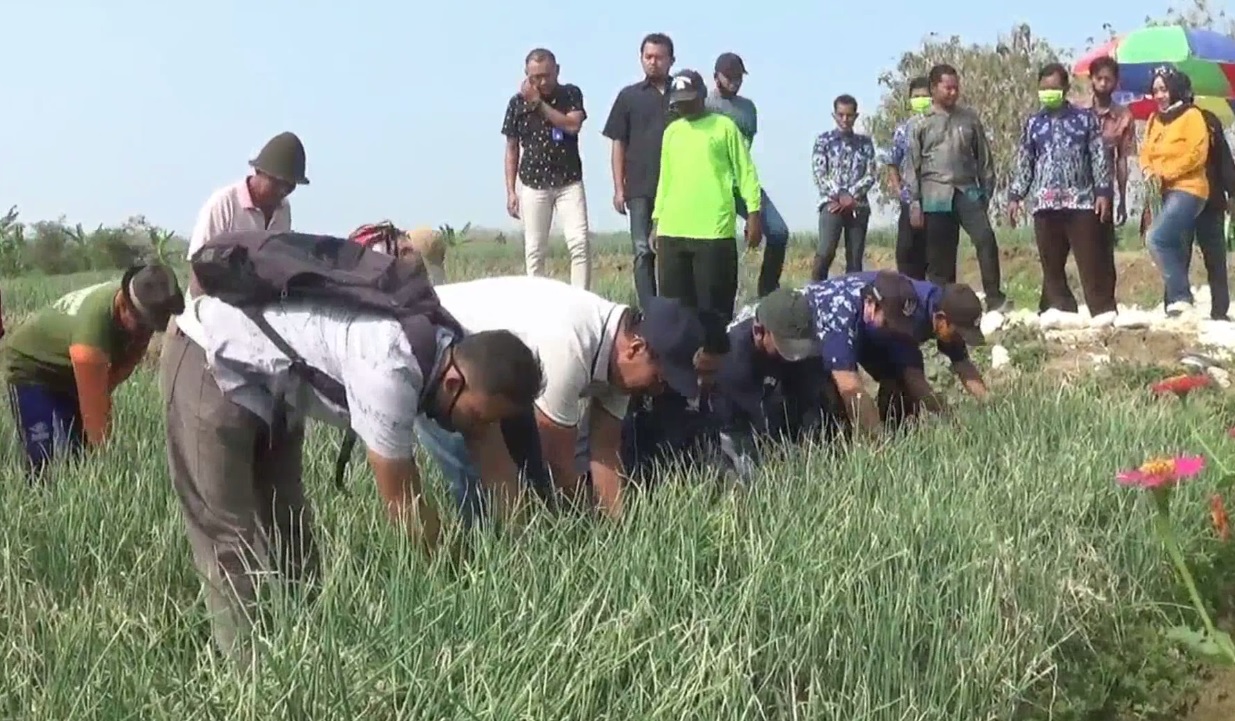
1173, 159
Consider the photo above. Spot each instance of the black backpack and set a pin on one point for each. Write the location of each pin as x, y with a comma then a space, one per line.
252, 269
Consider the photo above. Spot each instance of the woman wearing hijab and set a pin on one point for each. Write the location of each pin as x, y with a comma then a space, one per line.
1173, 160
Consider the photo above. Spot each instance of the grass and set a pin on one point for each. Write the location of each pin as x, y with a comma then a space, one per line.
981, 569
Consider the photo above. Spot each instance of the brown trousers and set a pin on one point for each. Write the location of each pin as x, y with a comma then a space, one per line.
1080, 232
240, 492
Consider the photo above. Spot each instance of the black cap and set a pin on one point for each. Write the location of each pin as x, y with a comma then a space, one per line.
786, 314
961, 306
675, 334
153, 291
897, 298
730, 65
687, 86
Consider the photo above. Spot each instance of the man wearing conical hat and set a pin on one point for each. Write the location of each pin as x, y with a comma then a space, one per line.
253, 203
258, 201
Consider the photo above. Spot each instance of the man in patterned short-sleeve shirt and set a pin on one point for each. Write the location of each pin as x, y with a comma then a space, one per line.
541, 126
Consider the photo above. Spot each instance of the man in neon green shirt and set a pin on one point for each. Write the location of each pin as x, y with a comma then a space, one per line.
703, 158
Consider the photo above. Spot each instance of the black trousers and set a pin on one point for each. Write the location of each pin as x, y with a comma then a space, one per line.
703, 274
943, 237
910, 247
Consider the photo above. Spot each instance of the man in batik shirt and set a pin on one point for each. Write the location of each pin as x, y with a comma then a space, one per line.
1063, 170
844, 165
910, 241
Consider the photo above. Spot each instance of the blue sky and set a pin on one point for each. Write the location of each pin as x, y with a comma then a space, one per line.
131, 106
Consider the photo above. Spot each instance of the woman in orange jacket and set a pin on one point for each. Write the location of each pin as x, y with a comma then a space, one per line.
63, 364
1173, 160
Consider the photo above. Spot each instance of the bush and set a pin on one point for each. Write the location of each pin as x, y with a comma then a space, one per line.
55, 248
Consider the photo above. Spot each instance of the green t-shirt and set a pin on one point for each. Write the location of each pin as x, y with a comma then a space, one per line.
702, 162
37, 351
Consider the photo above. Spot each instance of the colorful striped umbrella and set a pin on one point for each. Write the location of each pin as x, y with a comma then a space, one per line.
1205, 56
1224, 108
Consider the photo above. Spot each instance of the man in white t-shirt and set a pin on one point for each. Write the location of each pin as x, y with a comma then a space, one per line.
595, 353
235, 429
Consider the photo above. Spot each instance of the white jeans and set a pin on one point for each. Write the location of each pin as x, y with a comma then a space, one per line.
569, 204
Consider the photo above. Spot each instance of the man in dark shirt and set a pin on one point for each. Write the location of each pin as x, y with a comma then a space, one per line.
542, 126
730, 71
772, 384
636, 124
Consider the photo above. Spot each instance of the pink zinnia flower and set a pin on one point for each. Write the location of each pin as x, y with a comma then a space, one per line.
1161, 472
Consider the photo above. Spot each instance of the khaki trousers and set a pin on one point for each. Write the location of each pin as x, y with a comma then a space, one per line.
240, 492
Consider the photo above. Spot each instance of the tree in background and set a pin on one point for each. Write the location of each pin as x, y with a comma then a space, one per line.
1196, 14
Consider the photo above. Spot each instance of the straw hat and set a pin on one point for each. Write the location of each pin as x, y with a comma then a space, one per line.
431, 247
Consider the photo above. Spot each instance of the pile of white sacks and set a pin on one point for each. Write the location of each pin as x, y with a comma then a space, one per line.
1217, 338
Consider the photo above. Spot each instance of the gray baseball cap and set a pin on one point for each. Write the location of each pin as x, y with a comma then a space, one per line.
787, 314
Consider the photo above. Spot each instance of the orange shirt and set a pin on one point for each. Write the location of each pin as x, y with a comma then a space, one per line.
1176, 152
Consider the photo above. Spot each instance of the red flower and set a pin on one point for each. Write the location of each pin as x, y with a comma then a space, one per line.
1162, 472
1217, 511
1180, 385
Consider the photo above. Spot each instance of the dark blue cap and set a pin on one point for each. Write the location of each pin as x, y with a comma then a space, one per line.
675, 334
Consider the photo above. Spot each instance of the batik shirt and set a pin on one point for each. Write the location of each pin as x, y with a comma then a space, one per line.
895, 156
1062, 162
837, 303
843, 163
906, 355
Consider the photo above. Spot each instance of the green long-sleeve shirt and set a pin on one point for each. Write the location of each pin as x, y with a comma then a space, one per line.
702, 160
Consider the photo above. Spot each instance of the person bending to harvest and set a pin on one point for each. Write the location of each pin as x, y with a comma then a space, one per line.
64, 363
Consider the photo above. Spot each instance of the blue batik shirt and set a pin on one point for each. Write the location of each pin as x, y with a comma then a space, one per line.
906, 355
896, 155
1062, 162
837, 303
843, 163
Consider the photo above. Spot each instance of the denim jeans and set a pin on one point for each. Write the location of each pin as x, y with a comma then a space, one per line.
639, 210
1169, 240
831, 227
1210, 235
776, 236
449, 450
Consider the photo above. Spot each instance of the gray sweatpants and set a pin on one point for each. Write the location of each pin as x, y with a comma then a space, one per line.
240, 491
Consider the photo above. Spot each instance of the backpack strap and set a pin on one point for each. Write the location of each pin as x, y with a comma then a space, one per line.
422, 334
331, 389
422, 337
423, 340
